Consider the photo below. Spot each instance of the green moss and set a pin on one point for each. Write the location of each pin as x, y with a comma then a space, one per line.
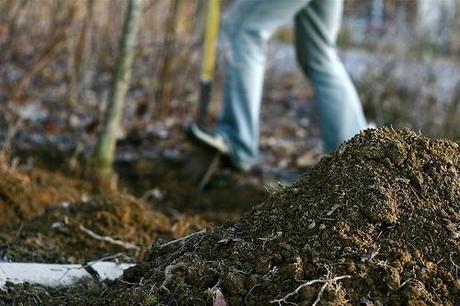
150, 300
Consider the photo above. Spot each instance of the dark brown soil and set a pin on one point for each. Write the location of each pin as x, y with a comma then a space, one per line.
63, 234
49, 217
228, 195
376, 223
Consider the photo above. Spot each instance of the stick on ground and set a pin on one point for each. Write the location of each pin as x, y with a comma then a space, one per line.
326, 282
126, 245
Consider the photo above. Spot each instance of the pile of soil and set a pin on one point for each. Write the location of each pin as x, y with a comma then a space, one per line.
376, 223
88, 230
24, 195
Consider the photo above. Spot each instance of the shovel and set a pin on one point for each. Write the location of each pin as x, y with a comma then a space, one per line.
206, 78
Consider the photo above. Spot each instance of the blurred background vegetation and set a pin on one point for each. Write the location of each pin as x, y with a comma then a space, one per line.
57, 56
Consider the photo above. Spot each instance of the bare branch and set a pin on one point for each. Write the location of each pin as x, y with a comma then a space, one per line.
326, 282
126, 245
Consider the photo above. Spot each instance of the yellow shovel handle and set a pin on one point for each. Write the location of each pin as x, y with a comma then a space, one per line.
210, 40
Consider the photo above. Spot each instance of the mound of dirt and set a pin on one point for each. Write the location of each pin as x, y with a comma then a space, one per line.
91, 229
25, 195
376, 223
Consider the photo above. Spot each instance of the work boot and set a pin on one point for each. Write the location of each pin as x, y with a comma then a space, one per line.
209, 139
216, 142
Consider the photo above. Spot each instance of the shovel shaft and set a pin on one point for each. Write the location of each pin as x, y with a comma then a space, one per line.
209, 60
210, 40
203, 105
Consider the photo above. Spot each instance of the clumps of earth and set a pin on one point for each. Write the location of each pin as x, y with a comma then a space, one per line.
48, 217
24, 195
375, 223
91, 229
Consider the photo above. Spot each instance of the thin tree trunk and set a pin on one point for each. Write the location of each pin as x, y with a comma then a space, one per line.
103, 157
79, 50
49, 52
164, 89
81, 55
11, 19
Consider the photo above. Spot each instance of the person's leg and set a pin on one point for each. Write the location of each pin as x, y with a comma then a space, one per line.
246, 28
339, 108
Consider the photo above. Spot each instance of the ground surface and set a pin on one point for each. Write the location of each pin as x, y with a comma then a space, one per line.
42, 211
375, 223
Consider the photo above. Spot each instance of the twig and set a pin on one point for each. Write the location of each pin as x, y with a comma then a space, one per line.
272, 237
126, 245
416, 195
457, 267
405, 282
326, 282
249, 293
203, 231
114, 256
320, 294
332, 210
169, 270
210, 171
18, 233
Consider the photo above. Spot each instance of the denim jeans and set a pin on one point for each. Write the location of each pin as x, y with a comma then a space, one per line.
247, 27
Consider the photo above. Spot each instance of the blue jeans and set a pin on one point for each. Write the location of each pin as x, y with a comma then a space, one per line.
247, 27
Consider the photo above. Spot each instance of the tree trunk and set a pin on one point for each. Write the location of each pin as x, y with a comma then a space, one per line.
79, 51
165, 86
83, 44
105, 149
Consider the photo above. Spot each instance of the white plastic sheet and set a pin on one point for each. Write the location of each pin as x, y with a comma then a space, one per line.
54, 275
